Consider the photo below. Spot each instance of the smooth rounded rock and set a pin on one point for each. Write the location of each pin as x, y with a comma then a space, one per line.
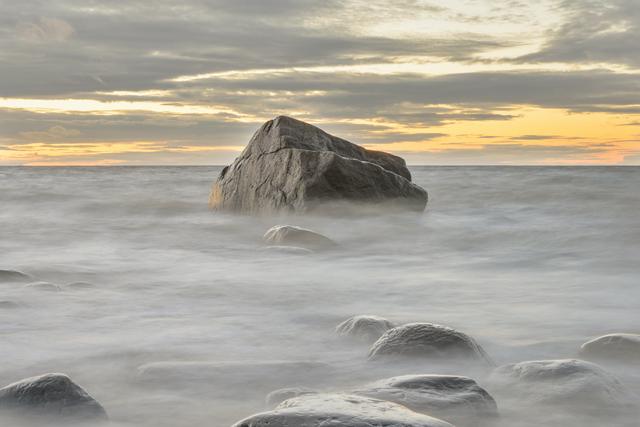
339, 410
446, 396
365, 328
51, 395
619, 347
427, 340
568, 383
289, 235
276, 397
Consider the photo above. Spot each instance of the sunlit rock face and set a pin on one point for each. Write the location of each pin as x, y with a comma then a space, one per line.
292, 166
452, 398
54, 396
325, 410
613, 347
364, 328
566, 383
427, 341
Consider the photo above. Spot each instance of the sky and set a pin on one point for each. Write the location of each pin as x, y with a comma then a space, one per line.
155, 82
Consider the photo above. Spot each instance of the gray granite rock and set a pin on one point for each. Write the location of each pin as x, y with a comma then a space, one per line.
445, 396
365, 328
276, 397
427, 340
50, 395
289, 235
620, 347
567, 383
339, 410
293, 166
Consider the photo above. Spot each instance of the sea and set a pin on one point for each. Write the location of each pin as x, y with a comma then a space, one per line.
171, 315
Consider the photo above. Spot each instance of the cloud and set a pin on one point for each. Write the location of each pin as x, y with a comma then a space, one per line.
594, 31
56, 132
44, 30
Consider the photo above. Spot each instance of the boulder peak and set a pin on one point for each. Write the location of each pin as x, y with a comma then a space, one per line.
293, 166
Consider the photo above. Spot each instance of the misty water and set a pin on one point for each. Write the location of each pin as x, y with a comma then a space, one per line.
530, 261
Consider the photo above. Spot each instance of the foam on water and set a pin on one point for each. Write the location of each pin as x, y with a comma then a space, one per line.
530, 261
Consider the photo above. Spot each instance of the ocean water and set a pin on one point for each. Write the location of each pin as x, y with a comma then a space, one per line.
530, 261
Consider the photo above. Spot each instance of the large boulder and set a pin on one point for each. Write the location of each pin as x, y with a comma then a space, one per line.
446, 396
293, 166
289, 235
340, 410
619, 347
568, 383
51, 395
427, 340
365, 328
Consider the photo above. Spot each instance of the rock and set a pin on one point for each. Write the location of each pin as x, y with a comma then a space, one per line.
43, 286
288, 250
339, 410
293, 166
620, 347
364, 328
51, 395
13, 276
236, 375
289, 235
445, 396
80, 285
278, 396
568, 383
427, 340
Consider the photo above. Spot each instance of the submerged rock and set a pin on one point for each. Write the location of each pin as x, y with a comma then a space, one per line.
236, 375
6, 304
366, 328
51, 395
13, 276
278, 396
80, 285
293, 166
427, 340
446, 396
289, 235
620, 347
287, 250
567, 383
339, 410
43, 286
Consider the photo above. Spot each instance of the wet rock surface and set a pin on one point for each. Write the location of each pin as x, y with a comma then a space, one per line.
364, 328
615, 347
444, 396
278, 396
427, 340
340, 410
289, 235
570, 383
292, 166
51, 395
